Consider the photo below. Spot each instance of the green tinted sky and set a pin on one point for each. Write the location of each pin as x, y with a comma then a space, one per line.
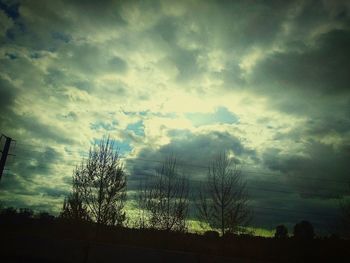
267, 81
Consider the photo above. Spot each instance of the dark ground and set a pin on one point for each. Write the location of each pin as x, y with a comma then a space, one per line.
57, 241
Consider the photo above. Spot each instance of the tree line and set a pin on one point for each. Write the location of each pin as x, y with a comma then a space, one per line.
99, 188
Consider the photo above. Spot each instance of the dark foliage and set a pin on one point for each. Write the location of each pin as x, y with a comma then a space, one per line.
35, 230
281, 231
45, 217
304, 230
73, 208
211, 234
58, 235
345, 217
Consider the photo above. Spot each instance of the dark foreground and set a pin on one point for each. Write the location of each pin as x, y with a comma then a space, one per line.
54, 241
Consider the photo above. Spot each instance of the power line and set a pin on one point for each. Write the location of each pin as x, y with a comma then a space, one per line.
128, 159
203, 167
252, 187
199, 181
246, 171
277, 217
249, 187
290, 212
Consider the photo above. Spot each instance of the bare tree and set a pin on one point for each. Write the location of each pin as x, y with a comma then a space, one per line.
142, 215
101, 183
164, 199
223, 197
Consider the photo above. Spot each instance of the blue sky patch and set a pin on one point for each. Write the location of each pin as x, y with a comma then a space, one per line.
100, 125
123, 147
221, 115
135, 113
137, 128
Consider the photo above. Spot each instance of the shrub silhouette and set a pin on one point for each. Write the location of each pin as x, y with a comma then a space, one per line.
304, 230
73, 209
26, 213
45, 217
281, 231
7, 215
229, 236
211, 234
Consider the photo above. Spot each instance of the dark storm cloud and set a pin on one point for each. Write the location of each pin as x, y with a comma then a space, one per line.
168, 30
185, 62
235, 27
318, 127
315, 13
245, 24
10, 8
279, 209
52, 191
43, 25
270, 196
29, 162
7, 94
323, 126
21, 68
190, 148
320, 69
33, 128
117, 64
25, 168
232, 75
310, 78
322, 169
15, 184
58, 78
10, 117
90, 59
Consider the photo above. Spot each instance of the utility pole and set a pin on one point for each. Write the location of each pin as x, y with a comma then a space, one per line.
5, 153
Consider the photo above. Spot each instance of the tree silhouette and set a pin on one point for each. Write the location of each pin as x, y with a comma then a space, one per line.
100, 182
211, 234
45, 217
281, 231
345, 217
223, 198
26, 213
164, 200
304, 230
73, 208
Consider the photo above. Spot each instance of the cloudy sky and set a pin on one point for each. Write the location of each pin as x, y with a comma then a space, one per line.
268, 82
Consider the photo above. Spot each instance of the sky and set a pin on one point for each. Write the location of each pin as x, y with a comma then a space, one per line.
265, 81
